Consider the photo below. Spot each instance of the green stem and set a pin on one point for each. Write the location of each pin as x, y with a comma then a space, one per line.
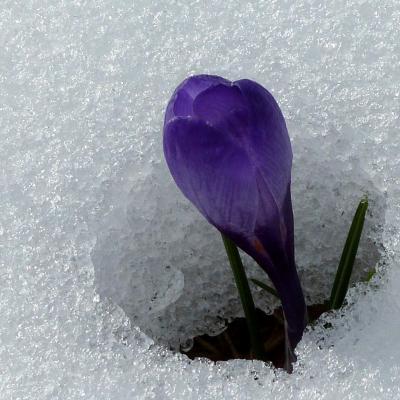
245, 296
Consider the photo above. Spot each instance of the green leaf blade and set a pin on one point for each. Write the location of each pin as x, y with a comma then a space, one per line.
346, 264
265, 287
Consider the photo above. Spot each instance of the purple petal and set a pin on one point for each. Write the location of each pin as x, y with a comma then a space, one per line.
182, 105
218, 179
198, 83
181, 101
272, 154
217, 103
269, 138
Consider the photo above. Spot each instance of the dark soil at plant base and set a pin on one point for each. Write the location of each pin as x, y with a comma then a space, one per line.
234, 342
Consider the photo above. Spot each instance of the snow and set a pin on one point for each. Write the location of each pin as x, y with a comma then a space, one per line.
104, 264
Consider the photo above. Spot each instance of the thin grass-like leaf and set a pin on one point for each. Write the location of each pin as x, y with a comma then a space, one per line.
267, 288
343, 274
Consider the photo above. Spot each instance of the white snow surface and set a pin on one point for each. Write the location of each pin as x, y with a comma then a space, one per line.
104, 265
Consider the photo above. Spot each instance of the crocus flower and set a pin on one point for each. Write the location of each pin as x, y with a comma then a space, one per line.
228, 150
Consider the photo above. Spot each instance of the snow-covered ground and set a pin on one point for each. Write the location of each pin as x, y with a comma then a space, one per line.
102, 260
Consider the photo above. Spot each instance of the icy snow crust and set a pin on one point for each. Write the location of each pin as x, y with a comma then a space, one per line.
104, 263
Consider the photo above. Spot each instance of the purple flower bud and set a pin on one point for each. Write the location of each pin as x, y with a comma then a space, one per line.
228, 150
